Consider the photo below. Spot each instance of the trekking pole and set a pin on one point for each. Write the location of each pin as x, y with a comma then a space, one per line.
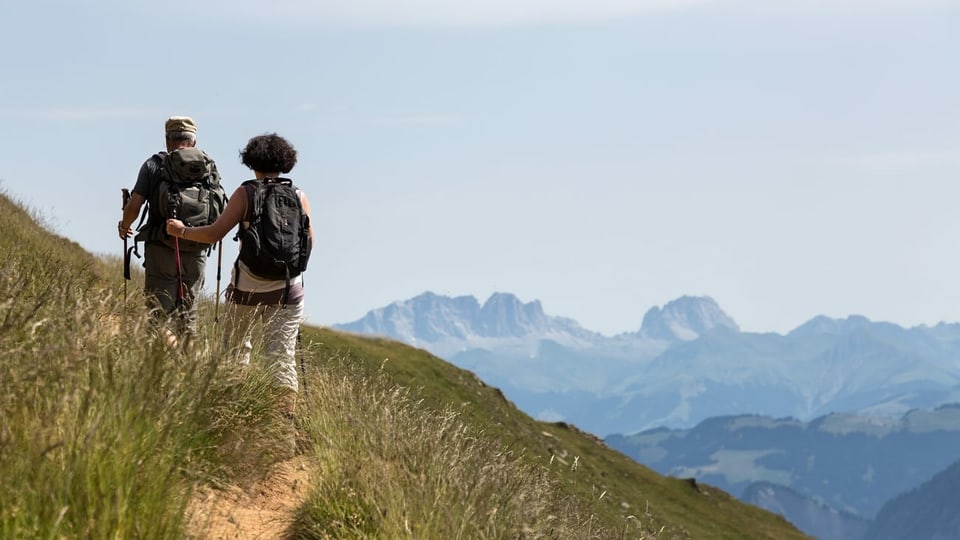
176, 251
303, 368
126, 252
216, 305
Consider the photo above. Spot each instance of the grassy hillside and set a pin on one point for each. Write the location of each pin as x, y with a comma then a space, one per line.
105, 433
612, 485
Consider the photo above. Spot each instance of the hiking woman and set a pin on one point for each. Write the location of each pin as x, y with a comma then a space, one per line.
257, 292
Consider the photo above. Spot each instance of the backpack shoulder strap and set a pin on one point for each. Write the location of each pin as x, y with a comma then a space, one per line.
160, 158
148, 207
254, 198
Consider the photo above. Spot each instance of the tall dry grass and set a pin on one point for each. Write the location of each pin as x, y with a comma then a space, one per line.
393, 468
104, 432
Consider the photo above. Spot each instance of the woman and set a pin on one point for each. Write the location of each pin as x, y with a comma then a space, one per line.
277, 303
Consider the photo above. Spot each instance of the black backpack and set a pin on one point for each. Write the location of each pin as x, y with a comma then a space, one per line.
189, 190
276, 243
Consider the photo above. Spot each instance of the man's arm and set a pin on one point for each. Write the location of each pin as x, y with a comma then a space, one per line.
139, 196
130, 213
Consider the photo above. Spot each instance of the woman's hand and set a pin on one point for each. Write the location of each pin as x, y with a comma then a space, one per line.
175, 227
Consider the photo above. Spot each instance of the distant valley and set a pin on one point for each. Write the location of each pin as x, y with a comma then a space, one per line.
854, 464
837, 425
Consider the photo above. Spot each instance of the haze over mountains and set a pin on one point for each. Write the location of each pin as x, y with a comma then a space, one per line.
688, 361
824, 424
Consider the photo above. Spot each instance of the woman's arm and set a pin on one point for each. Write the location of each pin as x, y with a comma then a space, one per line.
306, 210
209, 234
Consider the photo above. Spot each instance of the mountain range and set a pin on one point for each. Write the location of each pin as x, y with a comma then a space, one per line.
834, 425
688, 361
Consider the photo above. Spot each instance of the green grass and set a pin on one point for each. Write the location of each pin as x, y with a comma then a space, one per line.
105, 433
626, 498
423, 472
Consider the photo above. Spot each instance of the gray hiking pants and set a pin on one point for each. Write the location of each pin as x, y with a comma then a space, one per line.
161, 283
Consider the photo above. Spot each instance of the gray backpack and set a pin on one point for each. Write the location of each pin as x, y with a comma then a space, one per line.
189, 190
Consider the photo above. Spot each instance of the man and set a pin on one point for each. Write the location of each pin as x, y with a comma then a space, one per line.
174, 310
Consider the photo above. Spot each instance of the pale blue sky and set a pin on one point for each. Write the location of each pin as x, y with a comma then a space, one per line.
788, 159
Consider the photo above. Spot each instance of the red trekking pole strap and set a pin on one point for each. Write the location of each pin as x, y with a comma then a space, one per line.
180, 292
176, 250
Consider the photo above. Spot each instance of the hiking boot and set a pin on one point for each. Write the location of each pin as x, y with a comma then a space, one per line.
287, 405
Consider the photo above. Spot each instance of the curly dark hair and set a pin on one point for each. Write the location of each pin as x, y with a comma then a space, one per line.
269, 153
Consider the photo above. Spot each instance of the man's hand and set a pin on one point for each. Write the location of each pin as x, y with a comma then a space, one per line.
125, 232
131, 207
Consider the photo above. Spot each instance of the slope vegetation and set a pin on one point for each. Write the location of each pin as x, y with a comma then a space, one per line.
106, 433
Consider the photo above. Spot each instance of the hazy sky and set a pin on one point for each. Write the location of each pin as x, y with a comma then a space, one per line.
788, 159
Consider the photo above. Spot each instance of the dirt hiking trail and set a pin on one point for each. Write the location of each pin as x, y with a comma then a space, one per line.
261, 511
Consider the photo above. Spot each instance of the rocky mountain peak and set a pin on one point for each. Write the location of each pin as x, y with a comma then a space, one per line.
685, 319
821, 324
439, 322
503, 314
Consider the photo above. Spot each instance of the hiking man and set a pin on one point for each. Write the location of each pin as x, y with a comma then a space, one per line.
182, 182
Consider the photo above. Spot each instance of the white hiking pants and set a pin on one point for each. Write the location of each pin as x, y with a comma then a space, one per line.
280, 328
